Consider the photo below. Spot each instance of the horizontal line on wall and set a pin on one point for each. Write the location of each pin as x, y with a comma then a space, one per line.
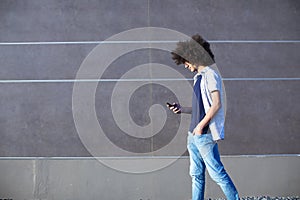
140, 80
143, 42
254, 41
89, 80
261, 79
143, 157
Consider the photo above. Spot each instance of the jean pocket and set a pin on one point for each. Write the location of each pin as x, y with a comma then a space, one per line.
199, 135
203, 139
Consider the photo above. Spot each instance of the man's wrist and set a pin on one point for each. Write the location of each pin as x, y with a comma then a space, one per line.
200, 126
186, 110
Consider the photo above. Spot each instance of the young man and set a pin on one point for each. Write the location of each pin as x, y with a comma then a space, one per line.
207, 121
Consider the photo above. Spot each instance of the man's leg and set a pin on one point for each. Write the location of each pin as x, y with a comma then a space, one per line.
215, 168
197, 170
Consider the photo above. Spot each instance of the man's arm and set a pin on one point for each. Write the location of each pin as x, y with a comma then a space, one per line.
216, 105
186, 110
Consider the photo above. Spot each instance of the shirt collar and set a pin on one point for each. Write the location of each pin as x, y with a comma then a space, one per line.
202, 72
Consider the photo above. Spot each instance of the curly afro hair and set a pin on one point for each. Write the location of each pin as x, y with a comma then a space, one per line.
195, 51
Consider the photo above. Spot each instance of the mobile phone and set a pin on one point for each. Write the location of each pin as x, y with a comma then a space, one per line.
168, 104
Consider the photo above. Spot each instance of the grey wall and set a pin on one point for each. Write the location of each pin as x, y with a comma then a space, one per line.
43, 44
36, 118
60, 178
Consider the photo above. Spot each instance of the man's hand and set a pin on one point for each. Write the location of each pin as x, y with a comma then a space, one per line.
175, 107
198, 130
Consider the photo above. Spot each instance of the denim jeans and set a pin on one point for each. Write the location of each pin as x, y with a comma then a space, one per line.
204, 154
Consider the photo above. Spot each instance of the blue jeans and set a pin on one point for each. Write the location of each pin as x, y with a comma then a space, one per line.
204, 154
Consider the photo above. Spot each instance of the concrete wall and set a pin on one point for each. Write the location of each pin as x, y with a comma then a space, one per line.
59, 178
44, 44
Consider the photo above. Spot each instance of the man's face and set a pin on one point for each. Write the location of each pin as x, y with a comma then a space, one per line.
189, 66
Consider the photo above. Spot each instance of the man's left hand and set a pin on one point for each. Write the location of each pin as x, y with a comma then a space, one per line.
198, 130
